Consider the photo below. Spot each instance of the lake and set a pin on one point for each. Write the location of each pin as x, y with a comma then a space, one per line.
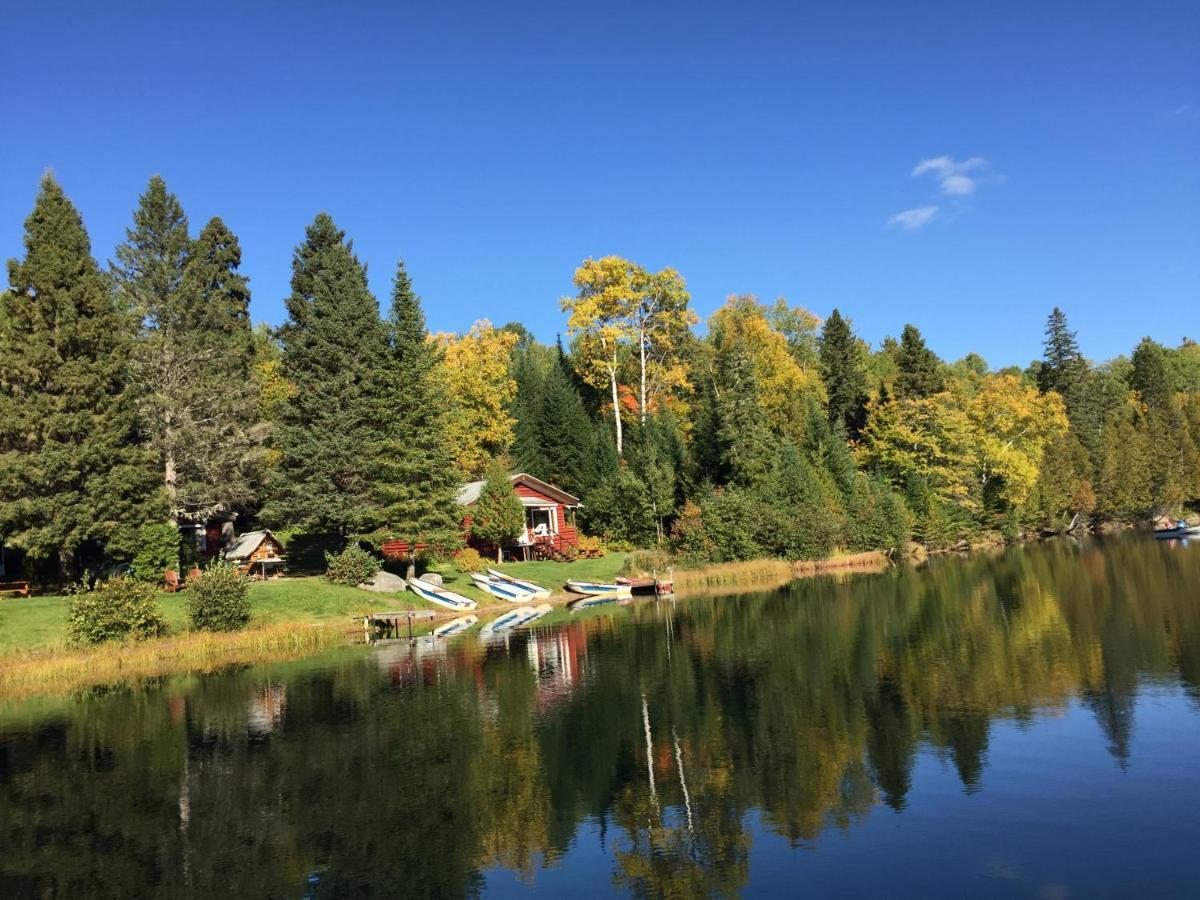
1025, 724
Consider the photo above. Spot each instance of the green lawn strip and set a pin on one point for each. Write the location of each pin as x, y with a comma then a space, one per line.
39, 622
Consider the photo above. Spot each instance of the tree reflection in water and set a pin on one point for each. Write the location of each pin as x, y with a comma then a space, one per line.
672, 725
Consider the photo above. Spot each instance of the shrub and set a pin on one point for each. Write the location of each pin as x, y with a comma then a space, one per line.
157, 551
114, 610
354, 565
468, 560
590, 547
218, 600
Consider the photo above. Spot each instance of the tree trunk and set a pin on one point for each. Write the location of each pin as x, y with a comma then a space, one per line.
612, 377
642, 360
499, 554
411, 571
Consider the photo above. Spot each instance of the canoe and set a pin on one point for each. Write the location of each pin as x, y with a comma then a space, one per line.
1185, 532
592, 588
502, 589
439, 595
535, 590
455, 626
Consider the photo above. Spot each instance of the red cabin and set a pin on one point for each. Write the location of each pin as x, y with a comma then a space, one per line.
549, 519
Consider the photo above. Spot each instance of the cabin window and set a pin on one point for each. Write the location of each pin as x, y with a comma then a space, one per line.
541, 521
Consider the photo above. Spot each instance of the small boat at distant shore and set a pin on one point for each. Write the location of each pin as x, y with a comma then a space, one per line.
1179, 531
595, 589
504, 590
455, 626
440, 595
535, 590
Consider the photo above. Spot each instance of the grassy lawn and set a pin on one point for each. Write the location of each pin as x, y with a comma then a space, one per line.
39, 622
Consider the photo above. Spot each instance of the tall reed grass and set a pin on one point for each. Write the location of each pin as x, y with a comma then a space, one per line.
764, 574
64, 670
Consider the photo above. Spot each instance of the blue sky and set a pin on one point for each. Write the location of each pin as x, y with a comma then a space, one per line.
757, 148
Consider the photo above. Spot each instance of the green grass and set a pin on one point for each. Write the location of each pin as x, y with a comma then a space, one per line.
39, 622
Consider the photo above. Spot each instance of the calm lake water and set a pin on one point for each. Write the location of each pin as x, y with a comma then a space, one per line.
1022, 725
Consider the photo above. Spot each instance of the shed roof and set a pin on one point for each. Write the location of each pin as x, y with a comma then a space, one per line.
245, 544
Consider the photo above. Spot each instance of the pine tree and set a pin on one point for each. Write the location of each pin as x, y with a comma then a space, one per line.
74, 473
193, 356
415, 481
1063, 368
745, 436
497, 516
1149, 376
335, 353
844, 376
920, 371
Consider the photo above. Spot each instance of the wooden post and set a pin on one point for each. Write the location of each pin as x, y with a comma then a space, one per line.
410, 618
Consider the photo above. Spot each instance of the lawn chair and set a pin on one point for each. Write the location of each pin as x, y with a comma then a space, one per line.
171, 581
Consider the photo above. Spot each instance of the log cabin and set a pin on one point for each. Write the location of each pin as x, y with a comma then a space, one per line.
549, 520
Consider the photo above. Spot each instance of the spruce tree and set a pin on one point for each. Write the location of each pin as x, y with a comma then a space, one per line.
1149, 375
193, 355
920, 371
335, 354
746, 437
74, 472
844, 376
497, 517
1063, 367
416, 483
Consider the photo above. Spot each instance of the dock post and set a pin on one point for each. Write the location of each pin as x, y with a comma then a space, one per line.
410, 618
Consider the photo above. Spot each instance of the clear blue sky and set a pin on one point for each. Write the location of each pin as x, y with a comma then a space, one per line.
756, 148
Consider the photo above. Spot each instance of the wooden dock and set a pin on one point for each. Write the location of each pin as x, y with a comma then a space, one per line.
391, 621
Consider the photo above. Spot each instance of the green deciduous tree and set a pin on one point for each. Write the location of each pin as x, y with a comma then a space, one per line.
74, 469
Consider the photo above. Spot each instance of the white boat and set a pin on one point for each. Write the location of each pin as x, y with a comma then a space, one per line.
1178, 531
440, 595
455, 626
503, 589
535, 590
594, 589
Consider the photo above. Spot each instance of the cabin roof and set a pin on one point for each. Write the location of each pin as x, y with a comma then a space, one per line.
245, 544
469, 492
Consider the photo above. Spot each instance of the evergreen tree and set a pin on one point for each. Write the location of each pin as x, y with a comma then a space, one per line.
745, 436
844, 376
415, 480
1149, 375
335, 354
74, 472
497, 517
193, 356
919, 369
1063, 366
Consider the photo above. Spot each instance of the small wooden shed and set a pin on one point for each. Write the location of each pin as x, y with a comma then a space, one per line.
257, 554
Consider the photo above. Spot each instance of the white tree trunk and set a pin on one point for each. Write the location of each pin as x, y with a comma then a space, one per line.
642, 360
612, 379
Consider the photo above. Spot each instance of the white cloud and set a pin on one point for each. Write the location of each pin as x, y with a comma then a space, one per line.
951, 173
912, 219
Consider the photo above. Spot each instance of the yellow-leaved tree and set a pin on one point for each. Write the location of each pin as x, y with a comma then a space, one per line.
481, 388
623, 314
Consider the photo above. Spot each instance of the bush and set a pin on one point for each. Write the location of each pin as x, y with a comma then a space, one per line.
590, 547
354, 565
468, 560
158, 550
114, 610
218, 600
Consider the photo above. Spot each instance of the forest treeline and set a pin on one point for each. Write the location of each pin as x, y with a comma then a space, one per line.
139, 395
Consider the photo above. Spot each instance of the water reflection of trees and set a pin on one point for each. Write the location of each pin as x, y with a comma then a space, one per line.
670, 725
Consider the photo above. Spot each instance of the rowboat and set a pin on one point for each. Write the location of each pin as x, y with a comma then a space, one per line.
439, 595
455, 626
593, 589
1184, 531
535, 590
514, 618
503, 589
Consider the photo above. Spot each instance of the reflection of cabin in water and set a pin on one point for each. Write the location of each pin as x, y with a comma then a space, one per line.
257, 554
549, 519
